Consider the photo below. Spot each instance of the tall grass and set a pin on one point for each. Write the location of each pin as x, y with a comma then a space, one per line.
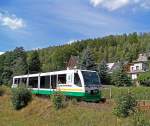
140, 93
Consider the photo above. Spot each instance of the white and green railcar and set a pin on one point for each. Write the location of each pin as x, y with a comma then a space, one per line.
78, 83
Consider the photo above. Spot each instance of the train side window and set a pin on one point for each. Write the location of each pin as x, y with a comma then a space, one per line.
24, 80
45, 82
33, 82
62, 79
77, 80
53, 81
16, 81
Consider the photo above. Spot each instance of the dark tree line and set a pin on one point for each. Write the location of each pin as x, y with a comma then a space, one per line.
15, 63
109, 49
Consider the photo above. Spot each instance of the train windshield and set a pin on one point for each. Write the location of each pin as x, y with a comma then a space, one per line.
90, 78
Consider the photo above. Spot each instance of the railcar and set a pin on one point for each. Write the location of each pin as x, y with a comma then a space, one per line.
83, 84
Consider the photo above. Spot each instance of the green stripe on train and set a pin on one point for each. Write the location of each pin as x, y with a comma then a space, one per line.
83, 95
48, 92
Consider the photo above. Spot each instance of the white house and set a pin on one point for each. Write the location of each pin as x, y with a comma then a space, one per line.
136, 68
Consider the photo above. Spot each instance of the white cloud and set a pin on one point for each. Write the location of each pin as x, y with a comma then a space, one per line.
72, 41
145, 4
11, 21
112, 5
1, 53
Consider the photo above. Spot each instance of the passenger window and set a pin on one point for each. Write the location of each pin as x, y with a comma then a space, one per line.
53, 81
17, 81
24, 80
33, 82
77, 80
45, 82
62, 79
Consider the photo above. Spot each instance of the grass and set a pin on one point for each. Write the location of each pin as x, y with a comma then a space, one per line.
40, 112
140, 93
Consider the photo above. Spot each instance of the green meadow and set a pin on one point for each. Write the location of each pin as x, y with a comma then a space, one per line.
40, 112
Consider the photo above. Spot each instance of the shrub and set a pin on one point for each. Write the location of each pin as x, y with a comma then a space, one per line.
144, 79
125, 105
58, 100
1, 91
21, 96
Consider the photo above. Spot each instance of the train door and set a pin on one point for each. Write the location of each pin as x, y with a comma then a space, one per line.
53, 81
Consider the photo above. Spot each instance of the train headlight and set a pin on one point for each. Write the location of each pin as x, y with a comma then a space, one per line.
94, 91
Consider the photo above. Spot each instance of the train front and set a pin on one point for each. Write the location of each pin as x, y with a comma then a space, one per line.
92, 85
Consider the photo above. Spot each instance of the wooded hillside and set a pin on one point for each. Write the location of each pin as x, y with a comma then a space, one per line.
110, 48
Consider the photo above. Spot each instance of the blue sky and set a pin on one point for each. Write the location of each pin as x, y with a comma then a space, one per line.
42, 23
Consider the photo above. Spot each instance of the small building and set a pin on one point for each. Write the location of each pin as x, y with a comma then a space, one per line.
114, 66
73, 62
138, 67
143, 57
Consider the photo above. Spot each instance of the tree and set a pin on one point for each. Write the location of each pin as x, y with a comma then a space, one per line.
20, 66
144, 79
120, 78
103, 72
87, 60
7, 73
125, 105
1, 68
21, 96
34, 63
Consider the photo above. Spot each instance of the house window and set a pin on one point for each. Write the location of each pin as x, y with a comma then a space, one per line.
137, 67
132, 68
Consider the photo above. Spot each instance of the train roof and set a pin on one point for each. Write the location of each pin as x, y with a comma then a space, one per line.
51, 73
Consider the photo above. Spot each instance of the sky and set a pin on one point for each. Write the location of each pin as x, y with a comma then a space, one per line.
42, 23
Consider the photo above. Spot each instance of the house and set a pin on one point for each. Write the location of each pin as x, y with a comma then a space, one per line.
138, 67
110, 66
143, 57
73, 62
114, 66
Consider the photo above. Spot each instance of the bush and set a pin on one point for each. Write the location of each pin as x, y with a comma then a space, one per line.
58, 100
1, 91
125, 105
21, 96
144, 79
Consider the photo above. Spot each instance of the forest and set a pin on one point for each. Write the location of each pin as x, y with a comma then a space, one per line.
112, 48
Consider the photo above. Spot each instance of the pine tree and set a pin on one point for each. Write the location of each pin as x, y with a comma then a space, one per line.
103, 72
34, 63
87, 60
6, 75
19, 65
120, 78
